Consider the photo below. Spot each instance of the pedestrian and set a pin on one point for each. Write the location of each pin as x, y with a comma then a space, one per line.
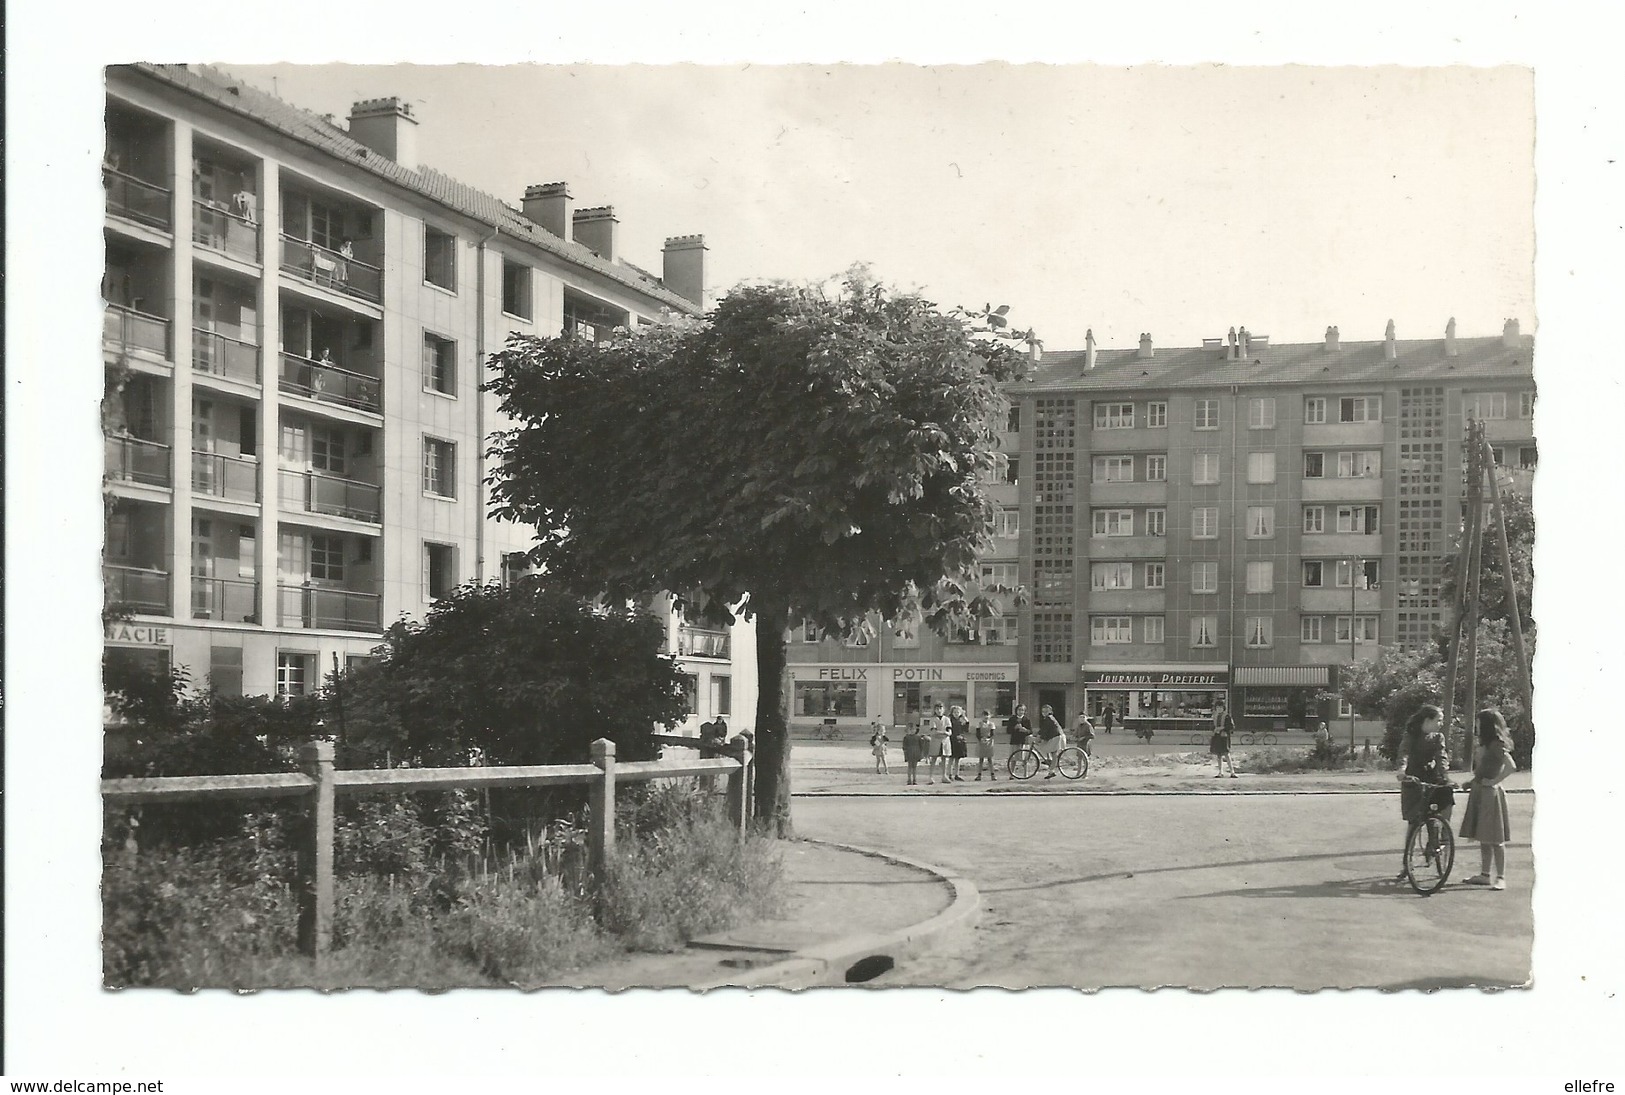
346, 253
1485, 819
959, 741
1224, 729
913, 750
1083, 732
984, 747
877, 746
1019, 727
1051, 738
1323, 737
938, 747
1108, 715
1425, 758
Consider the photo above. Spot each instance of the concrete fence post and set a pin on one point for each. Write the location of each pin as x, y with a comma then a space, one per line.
316, 854
739, 784
601, 796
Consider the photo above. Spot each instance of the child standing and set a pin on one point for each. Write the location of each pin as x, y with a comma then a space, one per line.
1224, 729
913, 750
877, 745
1485, 819
984, 747
958, 741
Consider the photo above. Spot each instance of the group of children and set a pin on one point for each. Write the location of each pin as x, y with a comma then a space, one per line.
1427, 759
943, 737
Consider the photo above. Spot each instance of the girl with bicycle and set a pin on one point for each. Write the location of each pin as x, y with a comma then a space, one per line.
1426, 762
1485, 819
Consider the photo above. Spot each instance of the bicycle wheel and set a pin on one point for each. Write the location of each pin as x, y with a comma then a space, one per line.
1024, 763
1073, 763
1430, 853
1269, 739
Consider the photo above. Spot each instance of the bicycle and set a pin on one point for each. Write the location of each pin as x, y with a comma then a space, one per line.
1430, 844
1026, 762
827, 732
1251, 737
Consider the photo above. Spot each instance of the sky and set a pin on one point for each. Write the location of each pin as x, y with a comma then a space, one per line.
1178, 200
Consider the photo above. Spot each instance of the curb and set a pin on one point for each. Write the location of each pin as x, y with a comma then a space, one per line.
826, 963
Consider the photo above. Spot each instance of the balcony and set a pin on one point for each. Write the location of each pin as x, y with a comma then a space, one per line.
137, 589
219, 229
234, 478
327, 268
228, 600
136, 199
125, 330
327, 383
313, 492
696, 642
331, 609
221, 355
137, 460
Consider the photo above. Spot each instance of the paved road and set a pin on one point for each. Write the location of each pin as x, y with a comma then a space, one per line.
1202, 891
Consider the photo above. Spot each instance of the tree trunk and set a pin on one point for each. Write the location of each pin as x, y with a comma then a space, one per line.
772, 718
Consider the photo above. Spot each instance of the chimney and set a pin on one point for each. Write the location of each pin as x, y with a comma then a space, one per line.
1246, 343
595, 229
1089, 350
387, 127
683, 268
548, 204
1333, 340
1450, 338
1234, 350
1389, 350
1145, 349
1509, 334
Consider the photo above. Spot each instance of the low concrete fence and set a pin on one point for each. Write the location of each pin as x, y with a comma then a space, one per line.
319, 783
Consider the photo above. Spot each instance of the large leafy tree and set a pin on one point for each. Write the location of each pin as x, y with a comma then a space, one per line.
802, 452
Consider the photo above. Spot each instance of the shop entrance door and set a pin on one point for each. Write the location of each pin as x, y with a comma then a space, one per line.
1056, 698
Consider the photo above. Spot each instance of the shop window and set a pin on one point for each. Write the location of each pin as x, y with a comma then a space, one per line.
820, 699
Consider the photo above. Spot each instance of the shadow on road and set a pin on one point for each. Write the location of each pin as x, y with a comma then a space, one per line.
1392, 853
1341, 887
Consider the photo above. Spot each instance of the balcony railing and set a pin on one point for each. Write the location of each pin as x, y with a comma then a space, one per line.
333, 609
126, 329
217, 475
221, 230
229, 600
138, 589
700, 643
137, 460
136, 199
314, 492
222, 355
327, 383
329, 269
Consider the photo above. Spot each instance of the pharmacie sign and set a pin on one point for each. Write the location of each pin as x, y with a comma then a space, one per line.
136, 635
1216, 678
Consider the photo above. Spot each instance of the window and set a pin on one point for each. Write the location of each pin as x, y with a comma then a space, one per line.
1261, 467
1261, 576
1526, 404
1207, 414
819, 700
1309, 629
439, 364
1000, 575
1205, 523
1260, 522
439, 468
1113, 469
691, 693
1156, 469
1484, 405
1366, 573
514, 567
905, 634
1314, 465
1110, 630
1054, 585
1260, 631
1261, 413
1205, 468
1156, 522
809, 631
1153, 629
1364, 629
1314, 573
1204, 631
327, 450
1528, 457
1113, 522
1156, 415
1362, 520
1205, 577
226, 670
1012, 471
1359, 408
1111, 576
1155, 575
439, 258
439, 570
295, 673
722, 695
326, 558
1314, 410
1114, 416
1006, 523
1012, 420
1359, 465
1000, 631
1314, 519
516, 289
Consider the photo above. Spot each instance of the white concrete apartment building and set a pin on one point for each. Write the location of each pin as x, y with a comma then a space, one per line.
297, 317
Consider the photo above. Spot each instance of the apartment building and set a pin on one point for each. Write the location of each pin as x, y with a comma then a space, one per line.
297, 317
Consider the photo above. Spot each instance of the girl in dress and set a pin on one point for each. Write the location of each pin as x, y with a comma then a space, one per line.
877, 745
1485, 819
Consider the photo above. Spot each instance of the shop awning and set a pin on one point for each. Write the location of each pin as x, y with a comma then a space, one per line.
1314, 676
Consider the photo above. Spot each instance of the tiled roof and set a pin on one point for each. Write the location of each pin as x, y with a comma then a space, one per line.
1293, 363
230, 93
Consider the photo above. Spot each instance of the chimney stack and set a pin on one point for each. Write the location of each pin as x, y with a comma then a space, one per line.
387, 127
1509, 334
595, 229
1450, 338
683, 268
548, 204
1145, 349
1089, 350
1233, 348
1389, 350
1333, 340
1246, 343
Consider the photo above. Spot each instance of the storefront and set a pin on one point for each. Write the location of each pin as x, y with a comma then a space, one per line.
895, 694
1162, 698
1283, 697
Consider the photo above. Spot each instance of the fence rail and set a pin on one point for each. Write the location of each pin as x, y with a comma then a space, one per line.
319, 782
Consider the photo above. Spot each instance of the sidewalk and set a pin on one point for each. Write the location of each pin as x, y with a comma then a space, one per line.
840, 901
